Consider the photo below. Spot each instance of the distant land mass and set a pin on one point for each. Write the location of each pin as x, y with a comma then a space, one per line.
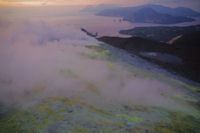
178, 11
148, 15
182, 57
98, 8
88, 33
160, 33
156, 14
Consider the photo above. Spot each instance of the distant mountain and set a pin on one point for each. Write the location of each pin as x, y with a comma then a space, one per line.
179, 11
148, 15
151, 14
160, 33
182, 57
98, 8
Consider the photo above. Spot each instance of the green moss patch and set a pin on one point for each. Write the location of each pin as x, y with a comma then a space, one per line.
99, 53
178, 123
130, 118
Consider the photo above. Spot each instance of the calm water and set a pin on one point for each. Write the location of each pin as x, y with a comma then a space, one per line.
72, 16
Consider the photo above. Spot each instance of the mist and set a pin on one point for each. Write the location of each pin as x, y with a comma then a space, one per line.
44, 53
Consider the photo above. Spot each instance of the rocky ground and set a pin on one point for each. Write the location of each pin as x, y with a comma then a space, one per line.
123, 99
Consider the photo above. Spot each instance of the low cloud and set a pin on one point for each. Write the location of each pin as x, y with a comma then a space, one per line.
43, 58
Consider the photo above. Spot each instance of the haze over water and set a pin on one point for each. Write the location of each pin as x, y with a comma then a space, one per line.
74, 17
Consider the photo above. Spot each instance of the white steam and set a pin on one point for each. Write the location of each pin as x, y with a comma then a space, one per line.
50, 58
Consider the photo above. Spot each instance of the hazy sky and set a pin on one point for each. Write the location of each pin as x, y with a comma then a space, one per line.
195, 4
86, 2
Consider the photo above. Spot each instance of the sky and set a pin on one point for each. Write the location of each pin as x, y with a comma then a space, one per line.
194, 4
94, 2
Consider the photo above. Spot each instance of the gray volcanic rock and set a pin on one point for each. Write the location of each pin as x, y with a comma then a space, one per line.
182, 57
160, 33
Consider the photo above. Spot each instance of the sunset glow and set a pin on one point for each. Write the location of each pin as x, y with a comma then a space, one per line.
195, 4
46, 2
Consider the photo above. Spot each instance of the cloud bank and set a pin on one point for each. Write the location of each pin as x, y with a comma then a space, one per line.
41, 58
